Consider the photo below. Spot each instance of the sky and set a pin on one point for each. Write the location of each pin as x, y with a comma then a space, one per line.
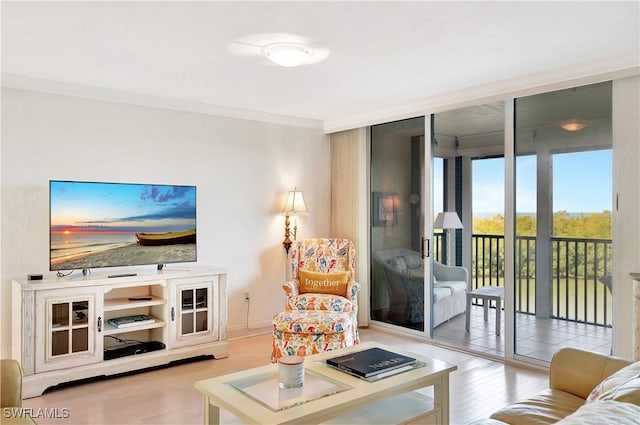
582, 183
121, 207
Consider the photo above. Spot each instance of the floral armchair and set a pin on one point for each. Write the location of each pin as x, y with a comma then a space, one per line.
322, 299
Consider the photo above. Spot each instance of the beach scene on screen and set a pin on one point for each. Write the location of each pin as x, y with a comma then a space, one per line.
113, 224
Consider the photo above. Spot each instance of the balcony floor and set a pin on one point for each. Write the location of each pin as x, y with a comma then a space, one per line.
535, 338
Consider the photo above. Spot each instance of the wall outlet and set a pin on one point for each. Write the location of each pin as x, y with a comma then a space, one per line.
247, 295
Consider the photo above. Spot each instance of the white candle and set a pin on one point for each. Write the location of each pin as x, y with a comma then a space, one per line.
290, 372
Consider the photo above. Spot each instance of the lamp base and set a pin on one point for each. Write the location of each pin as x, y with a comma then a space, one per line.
286, 242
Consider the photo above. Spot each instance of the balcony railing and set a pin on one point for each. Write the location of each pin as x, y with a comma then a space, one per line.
579, 268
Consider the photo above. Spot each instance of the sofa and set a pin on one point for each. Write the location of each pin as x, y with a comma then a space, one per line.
584, 388
404, 280
11, 394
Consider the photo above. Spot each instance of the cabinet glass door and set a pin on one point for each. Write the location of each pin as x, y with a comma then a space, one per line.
67, 334
69, 328
194, 310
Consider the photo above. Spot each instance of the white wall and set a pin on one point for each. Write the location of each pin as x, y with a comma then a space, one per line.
626, 225
242, 170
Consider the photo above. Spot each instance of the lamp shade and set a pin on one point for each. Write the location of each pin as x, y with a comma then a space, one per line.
447, 220
294, 203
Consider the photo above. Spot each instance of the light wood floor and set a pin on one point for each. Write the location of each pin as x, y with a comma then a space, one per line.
167, 396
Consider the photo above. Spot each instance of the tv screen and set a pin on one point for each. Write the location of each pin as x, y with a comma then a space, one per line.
95, 224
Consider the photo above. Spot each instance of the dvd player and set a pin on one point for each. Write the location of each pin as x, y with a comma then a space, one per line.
132, 349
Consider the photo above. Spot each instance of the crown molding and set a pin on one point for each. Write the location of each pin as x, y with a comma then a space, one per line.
500, 90
96, 93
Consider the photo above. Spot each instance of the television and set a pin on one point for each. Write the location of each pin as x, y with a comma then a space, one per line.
95, 225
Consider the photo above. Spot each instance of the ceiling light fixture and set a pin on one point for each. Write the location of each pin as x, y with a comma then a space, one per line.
573, 125
287, 54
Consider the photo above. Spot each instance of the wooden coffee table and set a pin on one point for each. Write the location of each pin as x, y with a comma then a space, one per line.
330, 395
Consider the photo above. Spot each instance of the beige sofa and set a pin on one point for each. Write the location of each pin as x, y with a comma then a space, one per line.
584, 388
11, 394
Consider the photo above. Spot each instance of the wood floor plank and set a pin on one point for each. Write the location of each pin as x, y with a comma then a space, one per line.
167, 396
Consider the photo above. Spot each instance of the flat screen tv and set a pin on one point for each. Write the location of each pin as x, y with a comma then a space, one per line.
95, 225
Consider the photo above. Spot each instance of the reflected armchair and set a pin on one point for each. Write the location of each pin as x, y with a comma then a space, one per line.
322, 299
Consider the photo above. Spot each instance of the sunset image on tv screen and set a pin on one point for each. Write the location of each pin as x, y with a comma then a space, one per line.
116, 224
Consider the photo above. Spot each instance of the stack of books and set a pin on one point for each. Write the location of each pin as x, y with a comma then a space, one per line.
372, 362
129, 321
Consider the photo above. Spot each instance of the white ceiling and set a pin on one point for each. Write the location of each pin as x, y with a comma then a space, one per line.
381, 55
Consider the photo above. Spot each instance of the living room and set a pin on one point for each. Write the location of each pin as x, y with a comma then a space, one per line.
243, 163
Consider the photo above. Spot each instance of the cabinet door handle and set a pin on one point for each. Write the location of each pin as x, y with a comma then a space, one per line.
173, 314
99, 324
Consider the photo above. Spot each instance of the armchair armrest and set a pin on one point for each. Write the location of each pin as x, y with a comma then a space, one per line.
291, 288
578, 371
11, 387
353, 288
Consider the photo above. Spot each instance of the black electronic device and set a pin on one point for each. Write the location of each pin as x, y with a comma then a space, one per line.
34, 277
132, 349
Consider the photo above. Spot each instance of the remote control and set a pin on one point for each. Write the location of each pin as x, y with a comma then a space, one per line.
122, 275
139, 298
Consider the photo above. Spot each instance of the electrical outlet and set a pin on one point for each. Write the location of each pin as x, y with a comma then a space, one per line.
247, 295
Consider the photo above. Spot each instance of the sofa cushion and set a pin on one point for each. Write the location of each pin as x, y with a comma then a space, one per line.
606, 412
624, 385
440, 293
546, 407
455, 286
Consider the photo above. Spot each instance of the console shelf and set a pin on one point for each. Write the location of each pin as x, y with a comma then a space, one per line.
112, 330
124, 303
61, 330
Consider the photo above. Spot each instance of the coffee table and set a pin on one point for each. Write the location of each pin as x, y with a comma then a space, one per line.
330, 395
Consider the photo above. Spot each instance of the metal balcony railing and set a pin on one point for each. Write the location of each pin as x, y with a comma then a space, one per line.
579, 269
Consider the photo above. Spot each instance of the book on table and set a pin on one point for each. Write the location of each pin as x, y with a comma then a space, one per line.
371, 362
130, 321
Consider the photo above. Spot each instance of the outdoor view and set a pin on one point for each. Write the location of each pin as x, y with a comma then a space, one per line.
581, 235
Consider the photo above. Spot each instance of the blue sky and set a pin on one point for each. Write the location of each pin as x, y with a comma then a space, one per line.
582, 183
119, 207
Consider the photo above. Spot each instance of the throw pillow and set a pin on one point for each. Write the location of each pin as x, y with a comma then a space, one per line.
324, 283
398, 264
624, 385
413, 261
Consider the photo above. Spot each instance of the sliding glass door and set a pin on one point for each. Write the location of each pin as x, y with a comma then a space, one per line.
397, 224
563, 203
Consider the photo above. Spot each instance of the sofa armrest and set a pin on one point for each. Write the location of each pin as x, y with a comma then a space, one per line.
11, 387
450, 273
578, 372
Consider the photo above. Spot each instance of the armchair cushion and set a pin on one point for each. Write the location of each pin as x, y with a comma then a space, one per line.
324, 283
319, 302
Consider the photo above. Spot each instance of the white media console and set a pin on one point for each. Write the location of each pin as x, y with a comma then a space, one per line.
61, 330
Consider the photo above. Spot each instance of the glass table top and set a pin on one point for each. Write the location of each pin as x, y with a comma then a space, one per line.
263, 388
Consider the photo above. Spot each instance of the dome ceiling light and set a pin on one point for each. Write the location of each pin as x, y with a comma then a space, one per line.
573, 125
288, 54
